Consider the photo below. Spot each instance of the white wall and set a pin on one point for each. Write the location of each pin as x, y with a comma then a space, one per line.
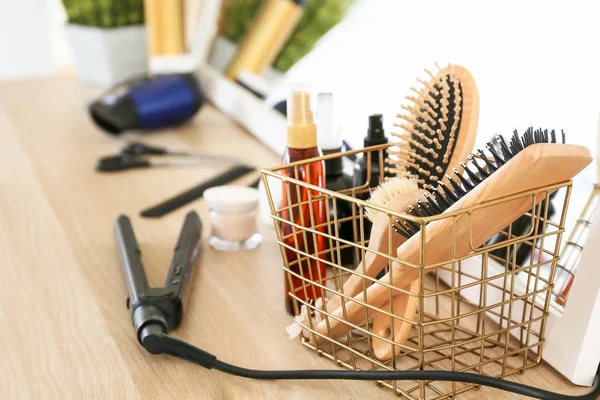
32, 43
535, 62
24, 39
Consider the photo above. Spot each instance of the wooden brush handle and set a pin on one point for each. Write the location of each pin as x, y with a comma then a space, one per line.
379, 241
404, 306
537, 166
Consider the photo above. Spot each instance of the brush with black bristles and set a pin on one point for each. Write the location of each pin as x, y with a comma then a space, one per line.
438, 128
533, 161
519, 253
442, 197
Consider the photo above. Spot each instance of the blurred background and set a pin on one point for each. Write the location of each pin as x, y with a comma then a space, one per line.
535, 62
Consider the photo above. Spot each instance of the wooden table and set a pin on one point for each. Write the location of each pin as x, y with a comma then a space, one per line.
66, 333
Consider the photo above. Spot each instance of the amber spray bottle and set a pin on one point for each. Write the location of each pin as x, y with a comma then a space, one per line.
299, 205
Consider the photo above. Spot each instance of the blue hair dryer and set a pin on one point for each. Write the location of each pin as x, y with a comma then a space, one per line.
148, 103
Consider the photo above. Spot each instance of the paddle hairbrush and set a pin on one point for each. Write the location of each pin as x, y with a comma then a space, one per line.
438, 132
438, 127
395, 195
527, 163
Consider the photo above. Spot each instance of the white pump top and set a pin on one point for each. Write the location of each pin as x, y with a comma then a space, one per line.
329, 137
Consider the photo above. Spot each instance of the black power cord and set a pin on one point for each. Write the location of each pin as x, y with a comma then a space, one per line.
156, 341
156, 311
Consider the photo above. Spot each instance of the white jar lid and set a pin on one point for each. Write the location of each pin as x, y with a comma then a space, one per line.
232, 198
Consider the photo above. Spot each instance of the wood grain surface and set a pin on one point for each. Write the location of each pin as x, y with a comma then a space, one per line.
66, 333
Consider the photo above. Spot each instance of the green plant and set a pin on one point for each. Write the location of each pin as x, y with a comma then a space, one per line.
105, 13
238, 17
318, 18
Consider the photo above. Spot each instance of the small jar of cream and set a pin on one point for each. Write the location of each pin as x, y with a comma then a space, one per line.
233, 211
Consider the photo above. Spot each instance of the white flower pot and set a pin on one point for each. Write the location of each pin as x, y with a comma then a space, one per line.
108, 56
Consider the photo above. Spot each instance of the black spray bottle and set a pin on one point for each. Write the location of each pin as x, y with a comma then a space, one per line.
375, 136
330, 142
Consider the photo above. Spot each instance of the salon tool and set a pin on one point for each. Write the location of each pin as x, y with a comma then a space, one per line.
381, 322
395, 195
148, 103
530, 162
141, 149
136, 155
439, 129
196, 192
157, 311
125, 162
520, 253
158, 308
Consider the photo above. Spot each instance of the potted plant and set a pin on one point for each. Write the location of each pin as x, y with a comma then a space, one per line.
108, 39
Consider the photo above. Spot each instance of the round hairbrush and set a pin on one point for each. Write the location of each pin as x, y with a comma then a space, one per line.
438, 126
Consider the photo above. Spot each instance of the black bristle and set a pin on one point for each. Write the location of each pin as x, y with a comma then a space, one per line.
433, 206
439, 197
414, 211
505, 150
524, 140
399, 229
482, 171
465, 182
457, 188
423, 208
430, 209
515, 142
484, 157
408, 228
425, 212
476, 180
529, 136
442, 197
420, 206
415, 227
451, 197
499, 161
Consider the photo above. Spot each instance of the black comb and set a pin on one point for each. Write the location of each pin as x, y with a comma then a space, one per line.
442, 197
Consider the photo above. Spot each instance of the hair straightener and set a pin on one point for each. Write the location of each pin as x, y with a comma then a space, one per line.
157, 311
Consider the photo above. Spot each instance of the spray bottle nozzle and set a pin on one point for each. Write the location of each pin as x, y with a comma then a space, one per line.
375, 134
376, 126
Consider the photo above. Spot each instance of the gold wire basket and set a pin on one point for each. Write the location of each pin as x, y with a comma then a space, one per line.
480, 313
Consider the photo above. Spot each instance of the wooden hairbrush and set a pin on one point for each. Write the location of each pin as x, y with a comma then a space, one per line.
396, 195
438, 132
530, 162
438, 128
